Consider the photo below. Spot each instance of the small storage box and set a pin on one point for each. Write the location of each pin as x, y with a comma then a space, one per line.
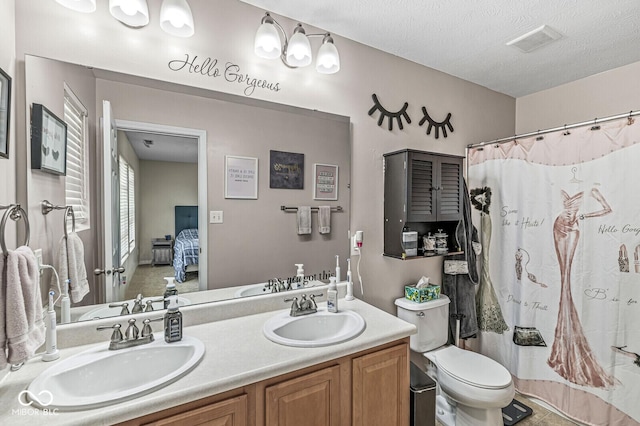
423, 294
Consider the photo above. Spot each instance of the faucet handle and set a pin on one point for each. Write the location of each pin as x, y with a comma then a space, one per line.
313, 299
131, 333
116, 336
125, 307
146, 329
150, 302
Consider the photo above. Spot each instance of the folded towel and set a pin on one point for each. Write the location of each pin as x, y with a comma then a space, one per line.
324, 219
22, 323
304, 220
70, 265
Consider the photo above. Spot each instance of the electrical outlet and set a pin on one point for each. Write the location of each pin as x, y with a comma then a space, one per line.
38, 253
354, 247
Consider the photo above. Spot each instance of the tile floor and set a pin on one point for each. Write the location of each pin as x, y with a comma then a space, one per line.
540, 417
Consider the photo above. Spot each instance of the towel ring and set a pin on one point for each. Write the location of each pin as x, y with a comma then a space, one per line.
47, 208
15, 212
69, 212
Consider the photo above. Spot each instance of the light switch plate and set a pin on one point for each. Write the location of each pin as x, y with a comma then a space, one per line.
215, 216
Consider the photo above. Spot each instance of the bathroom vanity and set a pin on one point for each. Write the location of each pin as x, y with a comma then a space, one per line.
246, 379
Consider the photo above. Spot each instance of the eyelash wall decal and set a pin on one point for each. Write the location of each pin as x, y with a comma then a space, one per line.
446, 123
388, 114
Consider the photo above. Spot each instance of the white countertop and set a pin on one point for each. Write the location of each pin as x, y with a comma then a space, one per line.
237, 354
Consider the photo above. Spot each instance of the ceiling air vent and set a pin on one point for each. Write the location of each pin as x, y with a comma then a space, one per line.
535, 39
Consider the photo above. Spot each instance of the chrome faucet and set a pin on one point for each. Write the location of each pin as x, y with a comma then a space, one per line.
130, 338
137, 305
304, 306
277, 285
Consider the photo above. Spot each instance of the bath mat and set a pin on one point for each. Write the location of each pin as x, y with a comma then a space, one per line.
514, 412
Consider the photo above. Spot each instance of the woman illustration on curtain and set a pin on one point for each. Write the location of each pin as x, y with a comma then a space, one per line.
487, 307
571, 355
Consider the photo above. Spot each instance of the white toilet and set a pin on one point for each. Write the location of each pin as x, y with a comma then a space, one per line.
472, 388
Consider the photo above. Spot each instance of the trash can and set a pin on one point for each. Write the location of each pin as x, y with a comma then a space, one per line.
423, 398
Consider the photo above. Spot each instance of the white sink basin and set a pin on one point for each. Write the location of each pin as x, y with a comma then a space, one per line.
99, 377
309, 331
256, 289
252, 290
104, 311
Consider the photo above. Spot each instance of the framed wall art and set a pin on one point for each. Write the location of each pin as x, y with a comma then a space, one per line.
48, 141
241, 177
5, 113
325, 182
286, 170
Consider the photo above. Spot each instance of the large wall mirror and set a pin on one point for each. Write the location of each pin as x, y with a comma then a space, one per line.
175, 146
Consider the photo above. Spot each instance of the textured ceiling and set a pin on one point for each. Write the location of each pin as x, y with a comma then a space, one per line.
467, 38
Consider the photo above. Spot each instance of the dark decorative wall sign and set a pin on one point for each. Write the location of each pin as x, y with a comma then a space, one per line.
446, 123
286, 170
388, 114
209, 67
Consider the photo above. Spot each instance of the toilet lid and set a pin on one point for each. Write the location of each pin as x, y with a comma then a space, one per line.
473, 369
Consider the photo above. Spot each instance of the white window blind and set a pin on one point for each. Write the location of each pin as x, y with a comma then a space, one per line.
127, 209
76, 179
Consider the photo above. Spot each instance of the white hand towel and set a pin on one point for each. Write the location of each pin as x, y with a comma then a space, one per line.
74, 269
324, 219
304, 220
22, 330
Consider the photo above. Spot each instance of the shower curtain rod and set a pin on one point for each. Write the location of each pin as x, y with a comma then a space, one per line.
555, 129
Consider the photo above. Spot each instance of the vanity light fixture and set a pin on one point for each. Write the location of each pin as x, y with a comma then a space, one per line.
295, 52
175, 15
134, 13
176, 18
84, 6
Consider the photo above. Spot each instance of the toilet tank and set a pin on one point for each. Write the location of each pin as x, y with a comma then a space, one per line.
430, 318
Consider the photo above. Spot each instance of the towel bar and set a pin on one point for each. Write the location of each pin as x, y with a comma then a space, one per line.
313, 209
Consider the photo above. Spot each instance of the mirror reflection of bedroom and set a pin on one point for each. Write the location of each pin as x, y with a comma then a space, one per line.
161, 212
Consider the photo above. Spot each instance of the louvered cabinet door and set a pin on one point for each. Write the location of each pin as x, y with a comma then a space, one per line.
422, 187
449, 192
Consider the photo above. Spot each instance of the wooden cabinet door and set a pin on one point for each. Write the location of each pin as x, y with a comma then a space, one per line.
230, 412
381, 388
309, 400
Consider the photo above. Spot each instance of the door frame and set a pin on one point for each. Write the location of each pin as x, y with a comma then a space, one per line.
201, 135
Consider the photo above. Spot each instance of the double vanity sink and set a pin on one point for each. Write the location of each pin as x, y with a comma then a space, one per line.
245, 341
99, 376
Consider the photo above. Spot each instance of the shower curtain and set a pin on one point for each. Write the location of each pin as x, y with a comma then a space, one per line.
563, 267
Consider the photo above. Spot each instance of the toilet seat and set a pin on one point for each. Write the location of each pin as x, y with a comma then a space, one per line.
472, 368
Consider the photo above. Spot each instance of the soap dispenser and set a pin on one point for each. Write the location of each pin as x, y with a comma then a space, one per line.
173, 321
332, 296
299, 283
171, 290
337, 268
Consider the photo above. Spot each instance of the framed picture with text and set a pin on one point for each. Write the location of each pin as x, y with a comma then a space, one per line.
325, 182
286, 170
5, 112
48, 141
241, 177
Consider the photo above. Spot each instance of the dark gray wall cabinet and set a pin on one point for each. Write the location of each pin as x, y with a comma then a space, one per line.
422, 191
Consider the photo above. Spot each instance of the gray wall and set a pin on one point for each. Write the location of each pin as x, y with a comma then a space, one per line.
179, 186
46, 87
609, 93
